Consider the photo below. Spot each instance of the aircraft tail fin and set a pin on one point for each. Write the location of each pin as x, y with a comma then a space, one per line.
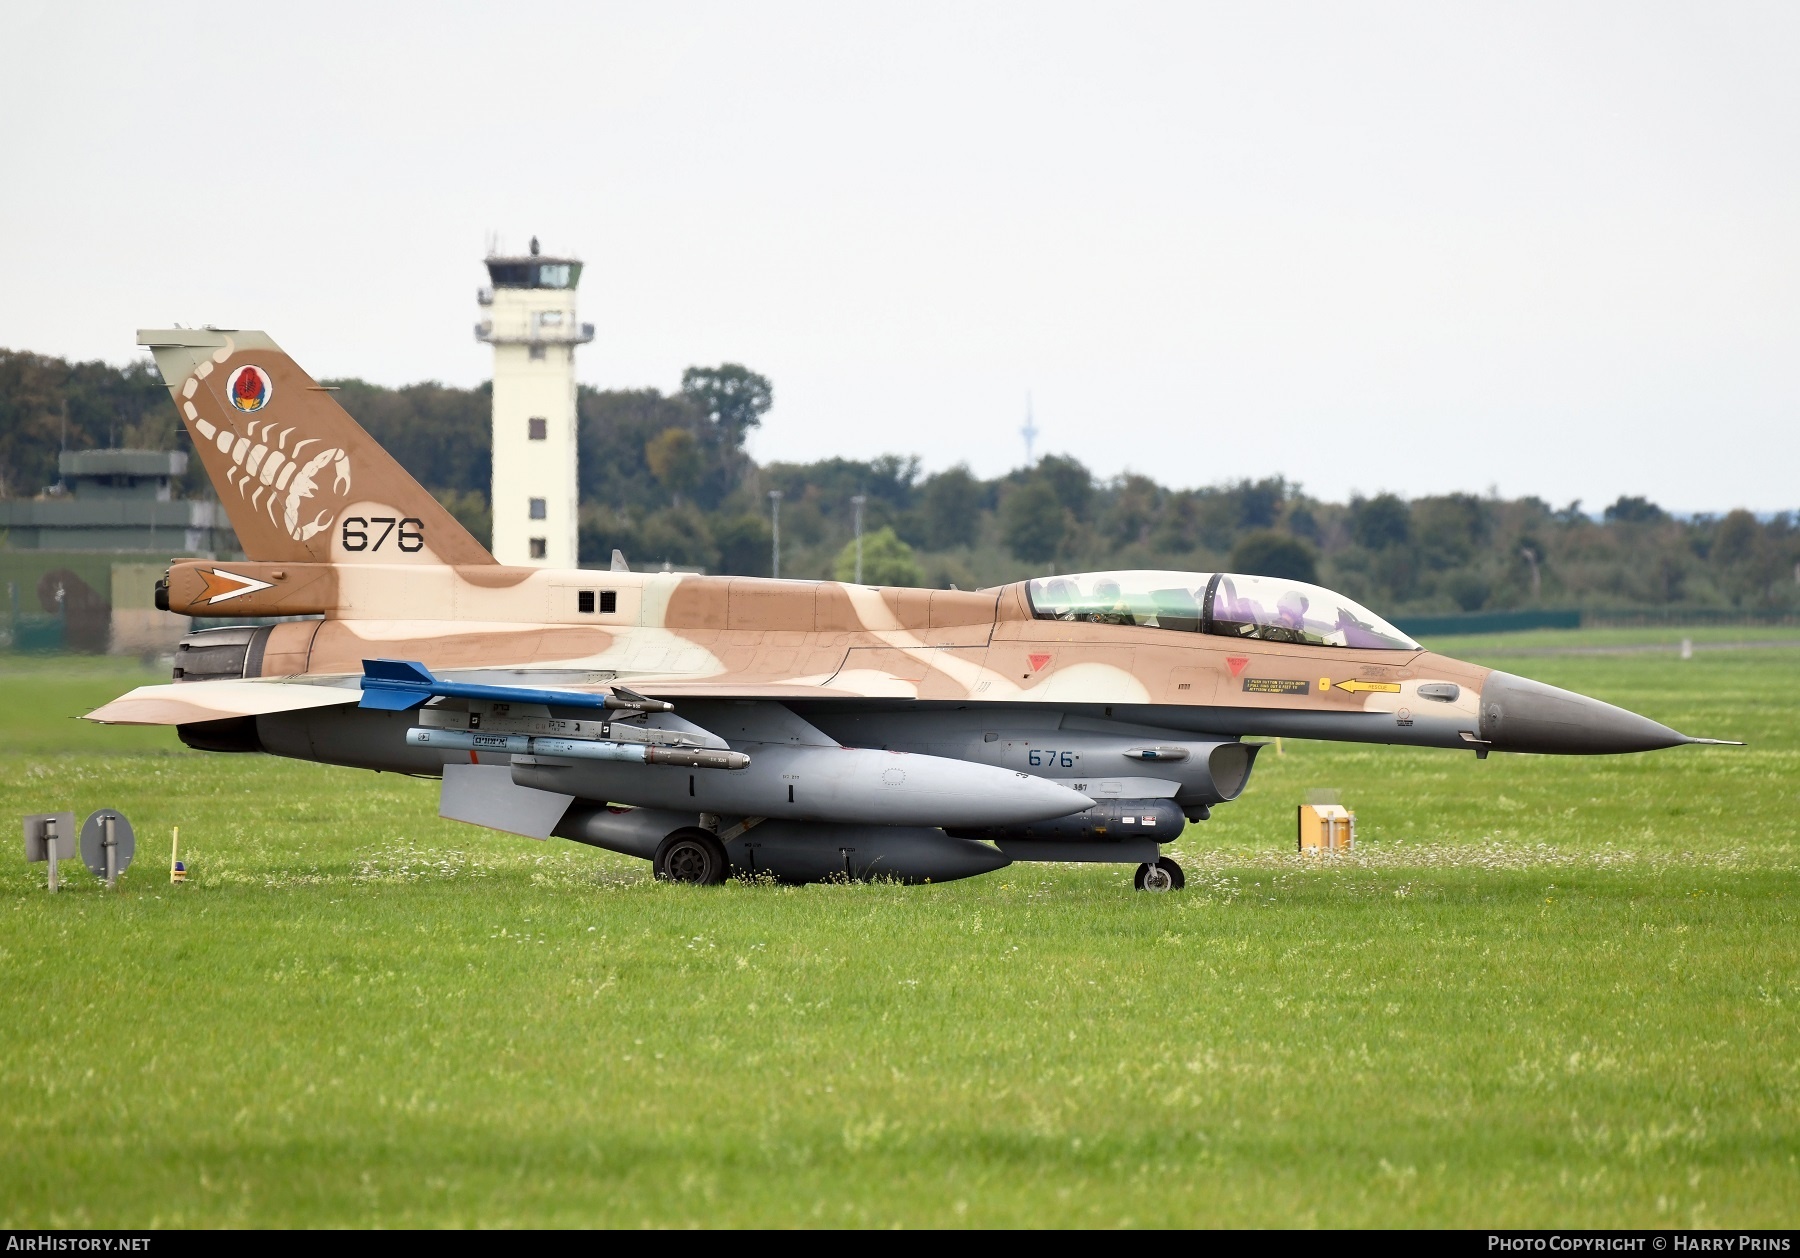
300, 480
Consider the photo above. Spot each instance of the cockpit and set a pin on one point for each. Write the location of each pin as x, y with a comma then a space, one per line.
1267, 609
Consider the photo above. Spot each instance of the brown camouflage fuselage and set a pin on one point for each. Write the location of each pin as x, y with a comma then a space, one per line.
678, 634
1005, 713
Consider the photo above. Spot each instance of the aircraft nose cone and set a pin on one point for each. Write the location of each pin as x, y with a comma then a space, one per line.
1518, 714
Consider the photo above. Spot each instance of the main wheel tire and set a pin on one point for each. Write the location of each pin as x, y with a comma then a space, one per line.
692, 855
1164, 875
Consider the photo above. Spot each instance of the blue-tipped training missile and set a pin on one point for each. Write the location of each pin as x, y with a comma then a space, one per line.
575, 749
402, 685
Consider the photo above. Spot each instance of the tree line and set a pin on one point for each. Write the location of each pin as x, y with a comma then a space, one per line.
665, 478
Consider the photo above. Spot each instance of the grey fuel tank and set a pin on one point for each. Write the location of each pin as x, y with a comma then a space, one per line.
795, 851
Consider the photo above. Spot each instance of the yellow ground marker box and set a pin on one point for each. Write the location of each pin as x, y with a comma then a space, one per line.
1326, 828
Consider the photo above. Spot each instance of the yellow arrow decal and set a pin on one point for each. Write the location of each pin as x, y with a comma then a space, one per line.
1386, 687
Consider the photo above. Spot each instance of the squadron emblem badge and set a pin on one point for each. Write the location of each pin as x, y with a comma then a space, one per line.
249, 388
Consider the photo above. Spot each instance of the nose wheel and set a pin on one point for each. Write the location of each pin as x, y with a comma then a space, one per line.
1164, 875
692, 855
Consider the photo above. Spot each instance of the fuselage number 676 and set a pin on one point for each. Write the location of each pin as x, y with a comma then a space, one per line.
409, 537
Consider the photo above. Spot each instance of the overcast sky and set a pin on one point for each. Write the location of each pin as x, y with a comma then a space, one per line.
1550, 249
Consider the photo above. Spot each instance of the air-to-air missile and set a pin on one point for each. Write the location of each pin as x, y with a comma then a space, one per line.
791, 729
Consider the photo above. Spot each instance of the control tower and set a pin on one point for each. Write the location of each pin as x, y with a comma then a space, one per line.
530, 322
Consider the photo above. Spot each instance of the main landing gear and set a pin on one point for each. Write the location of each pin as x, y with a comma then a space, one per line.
1164, 875
691, 854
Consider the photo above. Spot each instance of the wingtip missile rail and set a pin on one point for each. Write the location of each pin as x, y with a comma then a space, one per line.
402, 685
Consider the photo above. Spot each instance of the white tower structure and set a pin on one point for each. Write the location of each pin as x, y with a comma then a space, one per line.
530, 322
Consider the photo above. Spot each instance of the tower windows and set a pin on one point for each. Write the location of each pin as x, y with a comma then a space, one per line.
538, 428
539, 509
537, 353
538, 548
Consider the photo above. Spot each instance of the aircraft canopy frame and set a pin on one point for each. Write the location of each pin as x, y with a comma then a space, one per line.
1232, 605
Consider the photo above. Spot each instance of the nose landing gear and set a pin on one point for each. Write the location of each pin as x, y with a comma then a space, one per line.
1164, 875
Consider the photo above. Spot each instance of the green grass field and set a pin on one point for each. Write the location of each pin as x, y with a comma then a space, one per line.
1545, 991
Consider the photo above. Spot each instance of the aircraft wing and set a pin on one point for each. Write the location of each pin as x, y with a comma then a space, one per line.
674, 691
402, 685
188, 702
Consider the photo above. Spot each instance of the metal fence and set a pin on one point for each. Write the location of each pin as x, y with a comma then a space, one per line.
1602, 618
1488, 622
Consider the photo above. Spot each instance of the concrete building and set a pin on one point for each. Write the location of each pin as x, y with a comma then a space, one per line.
80, 564
118, 500
530, 321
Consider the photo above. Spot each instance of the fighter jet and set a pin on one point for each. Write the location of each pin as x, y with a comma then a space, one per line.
798, 730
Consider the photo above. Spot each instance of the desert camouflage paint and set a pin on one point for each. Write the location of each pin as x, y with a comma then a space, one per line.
338, 530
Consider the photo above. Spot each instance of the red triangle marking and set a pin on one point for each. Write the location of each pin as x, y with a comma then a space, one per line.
1238, 663
1038, 662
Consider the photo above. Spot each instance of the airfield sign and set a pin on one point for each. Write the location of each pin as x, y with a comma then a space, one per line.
50, 836
107, 844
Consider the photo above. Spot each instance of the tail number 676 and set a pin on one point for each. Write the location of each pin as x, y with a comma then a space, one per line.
409, 536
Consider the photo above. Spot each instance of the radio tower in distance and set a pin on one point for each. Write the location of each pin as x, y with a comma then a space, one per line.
1029, 432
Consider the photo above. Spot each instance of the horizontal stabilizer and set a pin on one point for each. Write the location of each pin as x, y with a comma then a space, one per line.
192, 702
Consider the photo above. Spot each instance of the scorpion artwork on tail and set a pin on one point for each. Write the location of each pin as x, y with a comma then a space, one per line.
270, 464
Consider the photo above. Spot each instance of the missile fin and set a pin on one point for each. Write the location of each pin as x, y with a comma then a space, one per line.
398, 685
398, 670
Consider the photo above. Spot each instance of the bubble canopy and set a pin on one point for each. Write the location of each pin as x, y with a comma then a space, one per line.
1266, 609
